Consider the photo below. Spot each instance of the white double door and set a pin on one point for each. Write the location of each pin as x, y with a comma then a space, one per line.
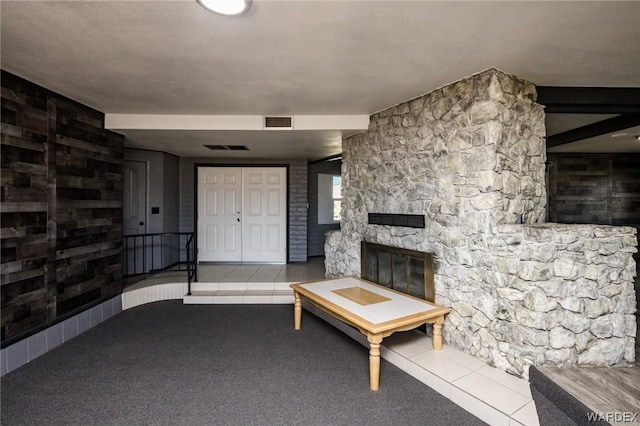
242, 214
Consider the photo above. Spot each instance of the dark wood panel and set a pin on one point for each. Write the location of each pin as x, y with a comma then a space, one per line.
22, 275
23, 194
17, 90
90, 150
103, 182
594, 188
90, 204
24, 207
20, 142
24, 115
74, 287
61, 195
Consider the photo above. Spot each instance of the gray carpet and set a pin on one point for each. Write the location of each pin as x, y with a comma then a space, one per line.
555, 406
174, 364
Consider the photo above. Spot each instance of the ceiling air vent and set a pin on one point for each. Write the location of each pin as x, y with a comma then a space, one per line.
227, 147
278, 123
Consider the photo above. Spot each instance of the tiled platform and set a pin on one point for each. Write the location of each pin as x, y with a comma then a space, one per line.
492, 395
251, 283
489, 393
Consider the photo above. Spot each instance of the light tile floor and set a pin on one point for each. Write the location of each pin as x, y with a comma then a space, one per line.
489, 393
252, 273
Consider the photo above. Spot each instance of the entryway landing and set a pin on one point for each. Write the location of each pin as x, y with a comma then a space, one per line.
226, 283
251, 283
313, 269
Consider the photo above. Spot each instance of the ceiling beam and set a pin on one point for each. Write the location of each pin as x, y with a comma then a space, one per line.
609, 125
334, 157
230, 122
589, 100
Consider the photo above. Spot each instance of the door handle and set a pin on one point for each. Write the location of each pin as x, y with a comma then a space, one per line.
141, 223
238, 219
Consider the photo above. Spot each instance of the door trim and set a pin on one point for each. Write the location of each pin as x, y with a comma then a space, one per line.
146, 263
146, 191
287, 190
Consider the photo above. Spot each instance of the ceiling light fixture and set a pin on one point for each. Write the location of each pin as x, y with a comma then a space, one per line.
226, 7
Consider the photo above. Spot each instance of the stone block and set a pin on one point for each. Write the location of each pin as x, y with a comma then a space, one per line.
583, 340
511, 294
543, 252
603, 352
528, 318
585, 288
486, 304
602, 327
560, 338
534, 271
479, 321
630, 325
567, 268
623, 303
555, 287
481, 158
630, 351
573, 304
597, 307
558, 357
611, 290
536, 337
484, 111
577, 323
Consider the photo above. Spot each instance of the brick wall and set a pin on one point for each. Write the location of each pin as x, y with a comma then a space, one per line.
298, 211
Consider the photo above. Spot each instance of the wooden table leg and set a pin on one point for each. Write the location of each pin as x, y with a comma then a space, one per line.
297, 311
437, 333
374, 360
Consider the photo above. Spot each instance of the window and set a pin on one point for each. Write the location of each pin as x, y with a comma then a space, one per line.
329, 198
337, 197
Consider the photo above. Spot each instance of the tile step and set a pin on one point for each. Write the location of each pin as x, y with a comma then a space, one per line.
240, 286
239, 296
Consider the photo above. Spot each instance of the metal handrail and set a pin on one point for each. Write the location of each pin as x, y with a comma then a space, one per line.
147, 247
192, 268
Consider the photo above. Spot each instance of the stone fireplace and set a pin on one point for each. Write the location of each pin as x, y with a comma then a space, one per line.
470, 157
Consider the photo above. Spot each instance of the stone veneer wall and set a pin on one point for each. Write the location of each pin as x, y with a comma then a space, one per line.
471, 157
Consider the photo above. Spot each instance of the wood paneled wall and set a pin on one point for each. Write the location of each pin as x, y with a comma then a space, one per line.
594, 188
61, 207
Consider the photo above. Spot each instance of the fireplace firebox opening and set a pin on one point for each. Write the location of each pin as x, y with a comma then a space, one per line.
400, 269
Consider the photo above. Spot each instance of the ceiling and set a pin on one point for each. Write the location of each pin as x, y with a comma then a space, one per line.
304, 58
